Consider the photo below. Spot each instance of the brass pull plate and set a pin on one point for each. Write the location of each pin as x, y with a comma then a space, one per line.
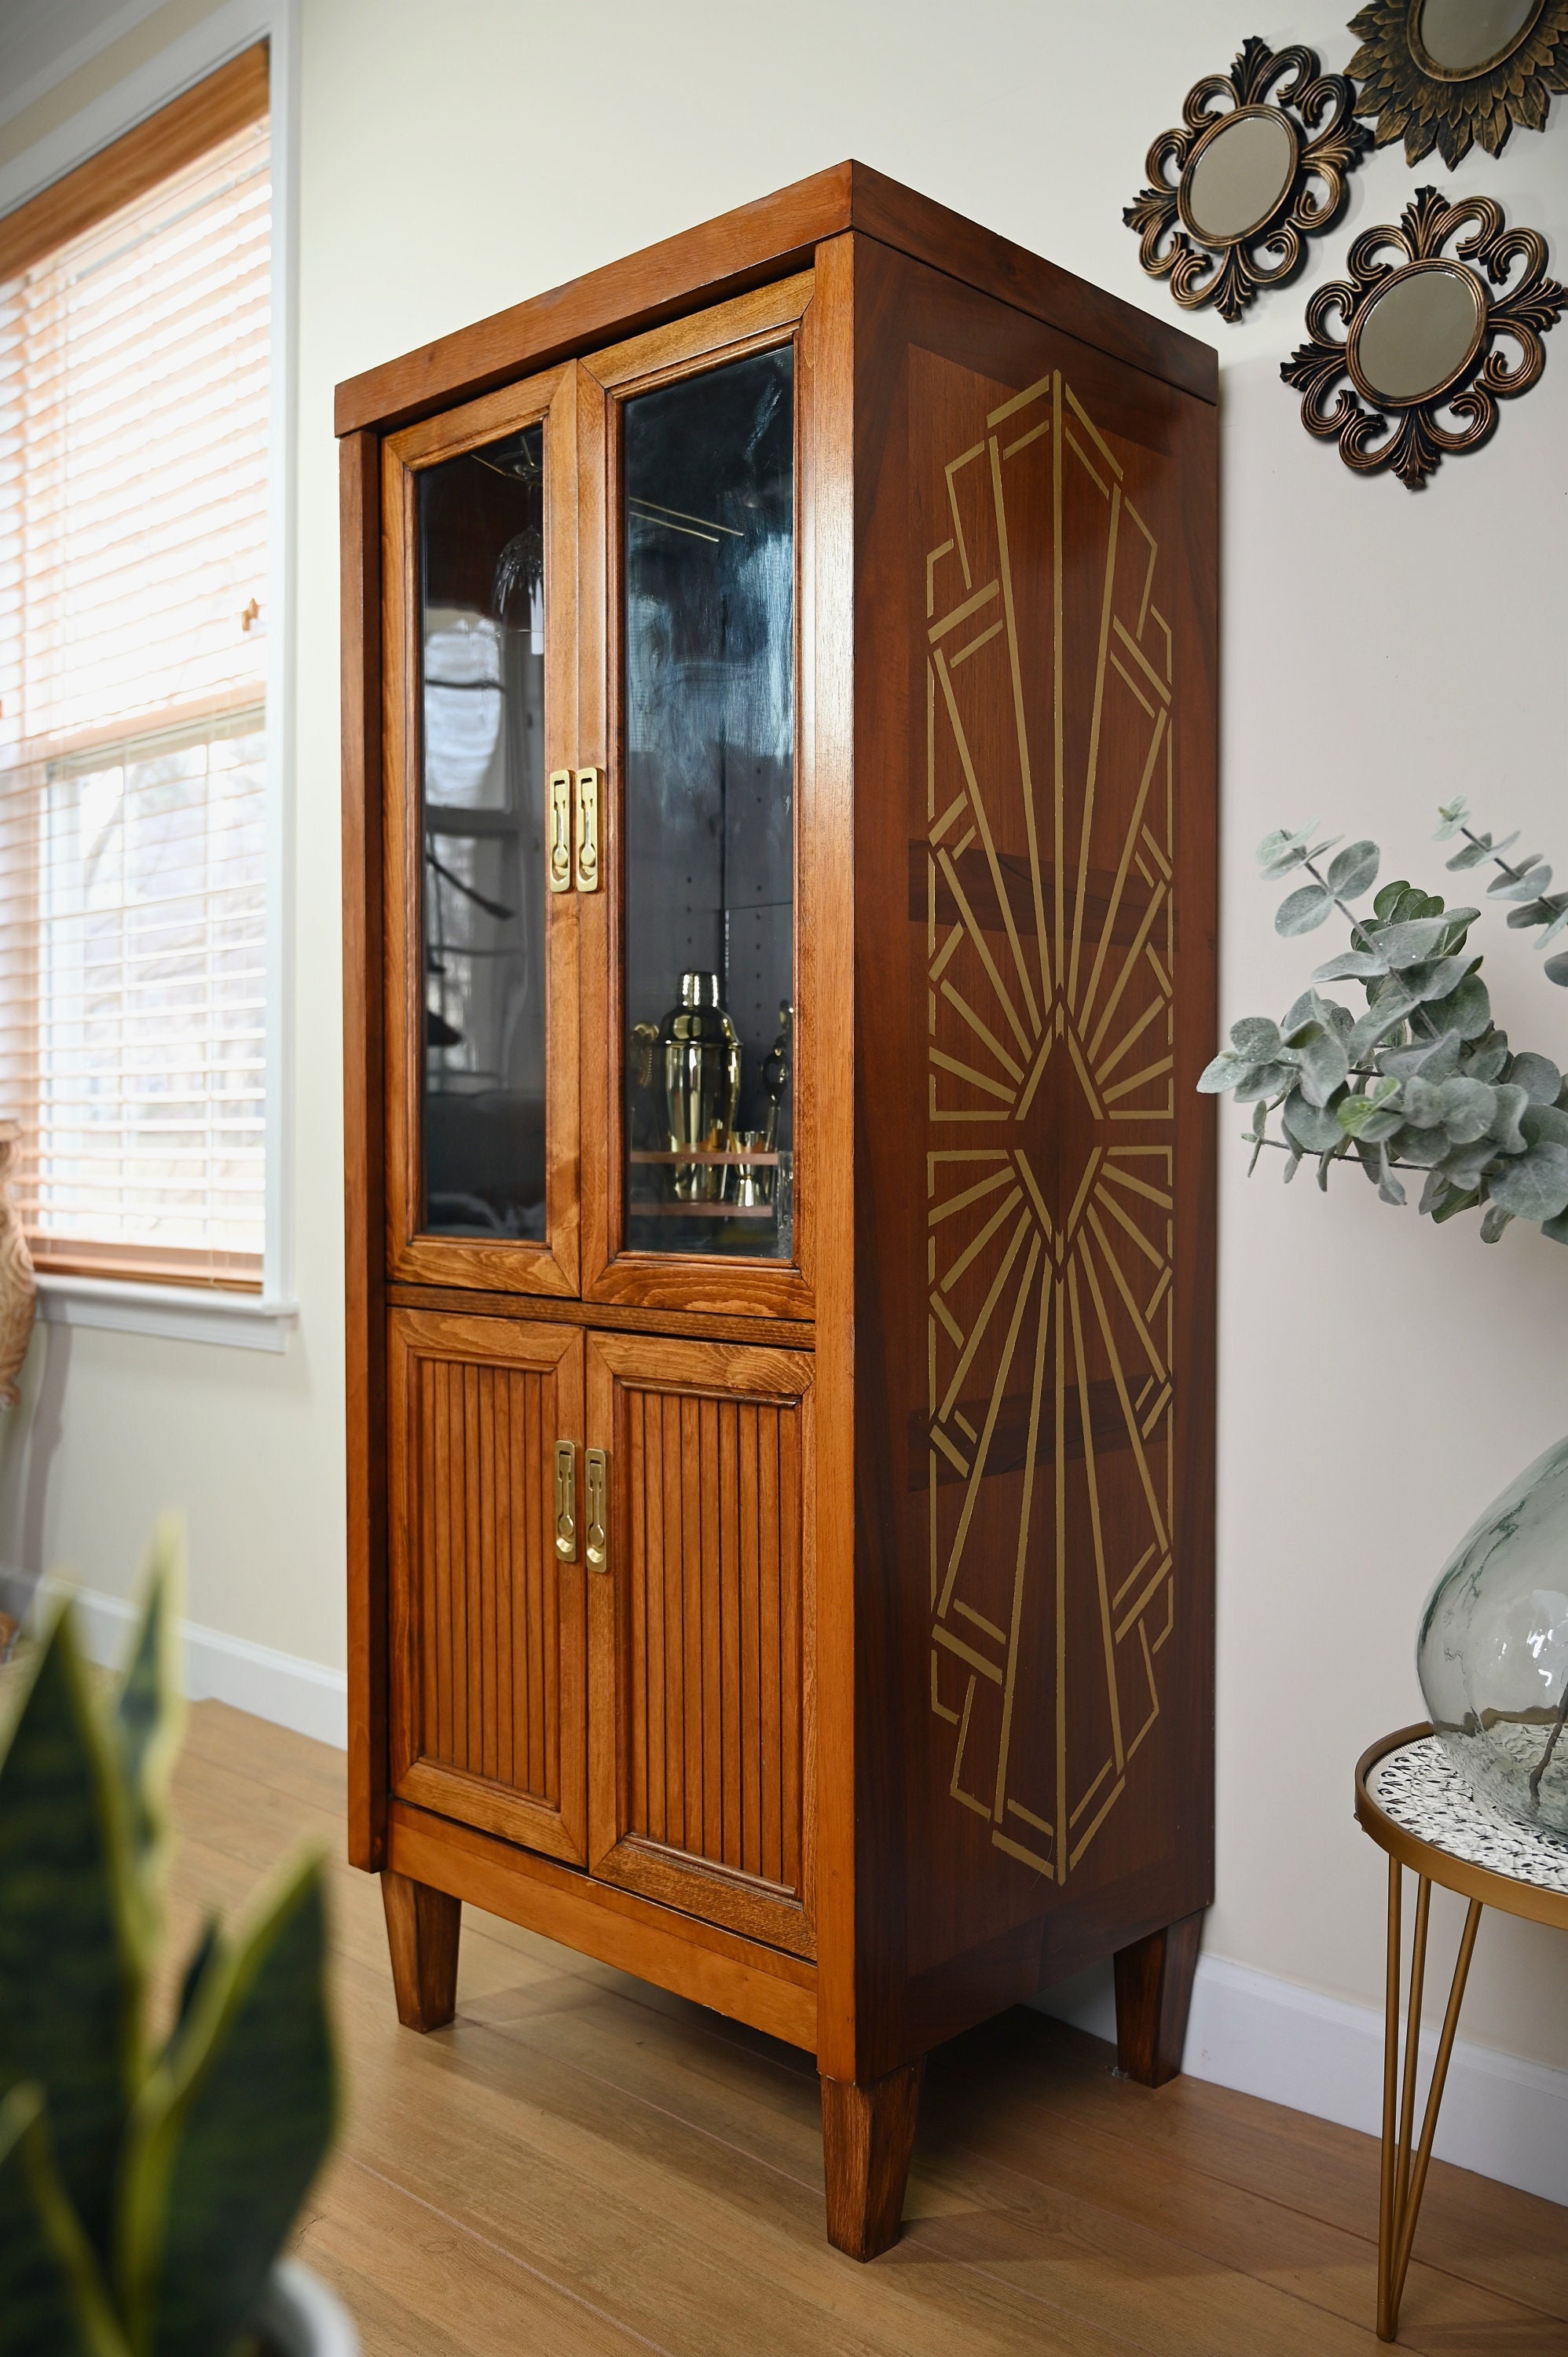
560, 830
566, 1501
597, 1549
588, 783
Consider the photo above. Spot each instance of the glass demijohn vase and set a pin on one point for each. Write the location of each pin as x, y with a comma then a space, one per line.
1492, 1654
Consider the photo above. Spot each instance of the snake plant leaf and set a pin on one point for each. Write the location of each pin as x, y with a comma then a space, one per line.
52, 2302
203, 1959
71, 1970
228, 2133
1537, 1076
149, 1719
1303, 911
1354, 870
1534, 1183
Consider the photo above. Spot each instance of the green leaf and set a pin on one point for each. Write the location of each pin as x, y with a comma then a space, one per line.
1354, 870
1494, 1220
1303, 911
1222, 1073
1507, 1132
1389, 1186
1472, 855
1450, 1205
1280, 852
1467, 1010
1351, 965
1468, 1109
230, 2133
1437, 978
52, 2302
1556, 1228
1423, 1103
1451, 816
1388, 900
1324, 1067
1534, 1185
1255, 1039
1314, 1128
1556, 969
70, 1973
1410, 943
149, 1720
1537, 1076
1525, 879
1262, 1083
1540, 1123
1383, 1015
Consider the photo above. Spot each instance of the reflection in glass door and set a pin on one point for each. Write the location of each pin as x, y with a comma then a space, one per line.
481, 545
708, 594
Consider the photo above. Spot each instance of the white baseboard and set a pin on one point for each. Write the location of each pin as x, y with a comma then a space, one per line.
284, 1688
1502, 2116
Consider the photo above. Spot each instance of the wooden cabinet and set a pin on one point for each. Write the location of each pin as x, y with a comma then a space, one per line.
780, 865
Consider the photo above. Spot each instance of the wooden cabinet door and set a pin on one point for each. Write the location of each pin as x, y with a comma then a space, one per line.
700, 1631
487, 1636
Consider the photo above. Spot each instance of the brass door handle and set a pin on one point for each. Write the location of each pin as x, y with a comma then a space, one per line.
597, 1549
560, 830
588, 782
566, 1501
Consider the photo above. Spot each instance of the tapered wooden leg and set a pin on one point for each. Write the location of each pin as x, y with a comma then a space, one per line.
1154, 1995
421, 1932
868, 2134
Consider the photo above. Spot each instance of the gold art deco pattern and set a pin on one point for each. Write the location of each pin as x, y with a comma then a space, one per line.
1050, 934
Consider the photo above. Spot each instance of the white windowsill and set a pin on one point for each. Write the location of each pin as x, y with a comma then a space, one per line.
184, 1313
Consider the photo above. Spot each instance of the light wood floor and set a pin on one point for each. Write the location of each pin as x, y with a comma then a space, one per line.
581, 2164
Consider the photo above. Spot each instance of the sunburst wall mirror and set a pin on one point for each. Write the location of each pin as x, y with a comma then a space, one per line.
1419, 336
1444, 72
1256, 167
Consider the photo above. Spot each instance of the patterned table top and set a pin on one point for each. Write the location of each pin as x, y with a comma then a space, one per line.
1421, 1788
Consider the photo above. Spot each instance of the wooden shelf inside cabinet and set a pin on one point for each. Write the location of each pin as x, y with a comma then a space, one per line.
829, 1637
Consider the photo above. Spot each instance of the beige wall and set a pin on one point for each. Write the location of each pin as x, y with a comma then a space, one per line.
1379, 1380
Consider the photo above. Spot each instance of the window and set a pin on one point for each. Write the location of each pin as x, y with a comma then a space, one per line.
134, 407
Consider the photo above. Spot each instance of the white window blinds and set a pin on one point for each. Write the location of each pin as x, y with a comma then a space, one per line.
133, 436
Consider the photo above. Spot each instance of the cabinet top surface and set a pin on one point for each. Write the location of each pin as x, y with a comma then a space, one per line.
765, 240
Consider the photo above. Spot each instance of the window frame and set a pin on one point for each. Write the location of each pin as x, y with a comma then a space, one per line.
203, 1312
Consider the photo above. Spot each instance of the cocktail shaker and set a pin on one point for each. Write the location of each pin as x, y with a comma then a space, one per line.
700, 1058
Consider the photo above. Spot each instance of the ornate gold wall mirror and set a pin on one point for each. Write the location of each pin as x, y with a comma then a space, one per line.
1444, 72
1259, 163
1418, 337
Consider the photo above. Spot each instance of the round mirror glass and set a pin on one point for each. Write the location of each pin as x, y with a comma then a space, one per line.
1239, 176
1460, 36
1419, 332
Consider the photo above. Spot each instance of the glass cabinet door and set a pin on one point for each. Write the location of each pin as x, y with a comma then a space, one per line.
699, 523
482, 1105
708, 809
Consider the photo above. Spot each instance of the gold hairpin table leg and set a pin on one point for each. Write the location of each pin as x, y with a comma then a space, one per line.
1402, 2184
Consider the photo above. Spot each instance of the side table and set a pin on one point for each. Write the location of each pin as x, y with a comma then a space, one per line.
1417, 1805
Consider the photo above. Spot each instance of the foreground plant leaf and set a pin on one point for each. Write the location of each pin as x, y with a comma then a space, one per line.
70, 1973
230, 2132
52, 2302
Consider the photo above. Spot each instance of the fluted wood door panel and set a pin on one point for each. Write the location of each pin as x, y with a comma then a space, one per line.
701, 1719
489, 1718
